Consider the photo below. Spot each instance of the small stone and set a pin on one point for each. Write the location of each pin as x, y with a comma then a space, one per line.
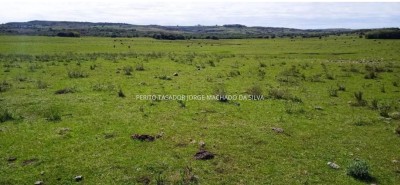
333, 165
202, 144
395, 161
175, 74
78, 178
278, 130
42, 173
38, 182
318, 108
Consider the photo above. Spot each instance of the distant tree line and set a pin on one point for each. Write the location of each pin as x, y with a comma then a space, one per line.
68, 34
384, 34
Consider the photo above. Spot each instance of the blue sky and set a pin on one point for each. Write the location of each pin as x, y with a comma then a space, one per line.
288, 14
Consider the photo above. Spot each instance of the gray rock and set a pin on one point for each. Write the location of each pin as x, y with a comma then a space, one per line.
78, 178
38, 182
333, 165
278, 130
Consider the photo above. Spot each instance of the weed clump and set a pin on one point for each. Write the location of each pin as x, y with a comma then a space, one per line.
359, 99
333, 92
77, 74
220, 92
255, 92
139, 67
41, 84
341, 87
234, 73
128, 70
384, 110
359, 169
53, 114
121, 94
6, 115
5, 86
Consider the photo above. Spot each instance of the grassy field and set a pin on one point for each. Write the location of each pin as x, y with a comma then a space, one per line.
62, 112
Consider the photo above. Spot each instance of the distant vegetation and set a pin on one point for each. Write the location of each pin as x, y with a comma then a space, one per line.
230, 31
384, 34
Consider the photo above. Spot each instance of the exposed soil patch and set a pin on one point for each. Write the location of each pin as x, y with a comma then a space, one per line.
142, 137
203, 155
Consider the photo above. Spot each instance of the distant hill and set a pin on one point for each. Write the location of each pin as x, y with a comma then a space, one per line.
231, 31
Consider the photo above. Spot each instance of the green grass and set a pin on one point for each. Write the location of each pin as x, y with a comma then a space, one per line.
87, 131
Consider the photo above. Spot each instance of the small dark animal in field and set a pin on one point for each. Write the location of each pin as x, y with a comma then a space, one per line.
143, 137
203, 155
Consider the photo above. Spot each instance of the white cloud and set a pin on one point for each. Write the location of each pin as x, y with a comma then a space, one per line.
290, 14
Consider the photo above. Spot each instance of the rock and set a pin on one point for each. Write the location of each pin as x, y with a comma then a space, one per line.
278, 130
395, 161
175, 74
202, 144
38, 182
11, 159
318, 108
203, 155
160, 135
78, 178
142, 137
333, 165
42, 173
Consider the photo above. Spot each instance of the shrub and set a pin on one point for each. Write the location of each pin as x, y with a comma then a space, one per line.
384, 110
139, 67
21, 78
374, 104
234, 73
128, 70
359, 99
263, 64
333, 92
53, 114
121, 94
277, 93
341, 87
220, 92
41, 84
5, 86
371, 75
77, 74
359, 169
5, 115
182, 103
261, 73
255, 92
330, 76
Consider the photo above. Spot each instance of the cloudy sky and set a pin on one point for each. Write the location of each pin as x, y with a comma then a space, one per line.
257, 13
